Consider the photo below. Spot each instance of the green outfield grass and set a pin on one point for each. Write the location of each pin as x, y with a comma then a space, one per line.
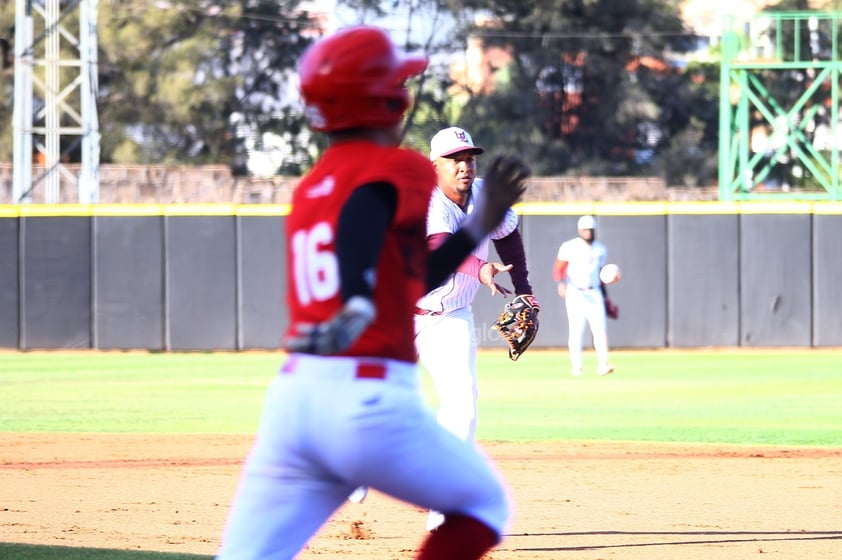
38, 552
737, 397
779, 397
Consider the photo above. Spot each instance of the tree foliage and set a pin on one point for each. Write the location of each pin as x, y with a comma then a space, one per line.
7, 32
191, 81
576, 86
186, 82
591, 77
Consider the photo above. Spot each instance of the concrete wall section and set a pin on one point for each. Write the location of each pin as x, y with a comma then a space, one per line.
9, 288
213, 277
703, 273
262, 290
776, 284
638, 244
55, 282
543, 235
129, 282
201, 282
827, 280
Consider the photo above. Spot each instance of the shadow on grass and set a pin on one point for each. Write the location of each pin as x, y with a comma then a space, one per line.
680, 538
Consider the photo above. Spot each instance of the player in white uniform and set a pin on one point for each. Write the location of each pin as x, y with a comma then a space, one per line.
445, 336
576, 270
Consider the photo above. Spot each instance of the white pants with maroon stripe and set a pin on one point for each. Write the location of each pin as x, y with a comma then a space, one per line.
332, 424
447, 347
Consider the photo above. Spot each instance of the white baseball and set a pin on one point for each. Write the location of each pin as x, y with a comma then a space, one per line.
609, 274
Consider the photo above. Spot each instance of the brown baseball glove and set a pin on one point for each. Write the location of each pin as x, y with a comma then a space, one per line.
518, 324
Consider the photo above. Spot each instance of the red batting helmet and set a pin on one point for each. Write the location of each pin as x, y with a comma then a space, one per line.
355, 78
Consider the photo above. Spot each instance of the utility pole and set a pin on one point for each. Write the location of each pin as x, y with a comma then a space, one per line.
55, 100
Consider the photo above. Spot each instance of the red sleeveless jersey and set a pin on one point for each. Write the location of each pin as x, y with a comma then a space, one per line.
312, 265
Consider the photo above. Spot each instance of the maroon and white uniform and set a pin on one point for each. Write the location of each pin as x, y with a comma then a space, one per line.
445, 334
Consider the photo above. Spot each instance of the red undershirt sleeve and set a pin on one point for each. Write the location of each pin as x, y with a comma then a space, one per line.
559, 270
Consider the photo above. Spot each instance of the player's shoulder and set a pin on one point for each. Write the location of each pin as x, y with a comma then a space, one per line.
570, 242
413, 177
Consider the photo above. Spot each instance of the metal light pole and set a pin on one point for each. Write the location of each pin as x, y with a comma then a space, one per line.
57, 69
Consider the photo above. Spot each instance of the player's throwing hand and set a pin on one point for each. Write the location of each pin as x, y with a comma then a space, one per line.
488, 271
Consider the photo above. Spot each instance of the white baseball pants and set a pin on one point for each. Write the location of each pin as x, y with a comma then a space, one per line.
586, 307
330, 425
447, 347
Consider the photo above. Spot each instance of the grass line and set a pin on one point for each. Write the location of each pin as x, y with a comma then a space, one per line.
778, 397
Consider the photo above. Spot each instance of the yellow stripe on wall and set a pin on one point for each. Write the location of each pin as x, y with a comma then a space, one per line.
54, 210
9, 210
829, 208
655, 208
704, 207
264, 210
783, 207
129, 210
632, 208
200, 210
554, 208
642, 208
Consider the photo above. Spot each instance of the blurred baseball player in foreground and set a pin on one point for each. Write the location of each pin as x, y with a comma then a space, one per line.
576, 269
445, 335
346, 408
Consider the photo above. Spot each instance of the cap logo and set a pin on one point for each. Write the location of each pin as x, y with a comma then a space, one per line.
451, 140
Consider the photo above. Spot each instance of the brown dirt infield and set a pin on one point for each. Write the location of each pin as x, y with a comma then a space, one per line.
573, 500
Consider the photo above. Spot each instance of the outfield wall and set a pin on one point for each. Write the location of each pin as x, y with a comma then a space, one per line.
211, 277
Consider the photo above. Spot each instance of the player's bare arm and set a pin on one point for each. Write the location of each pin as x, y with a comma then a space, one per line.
488, 271
512, 252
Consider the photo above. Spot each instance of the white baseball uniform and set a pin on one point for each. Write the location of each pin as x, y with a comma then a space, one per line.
445, 338
584, 300
329, 424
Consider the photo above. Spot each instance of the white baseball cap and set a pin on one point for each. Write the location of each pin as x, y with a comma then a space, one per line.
586, 222
451, 140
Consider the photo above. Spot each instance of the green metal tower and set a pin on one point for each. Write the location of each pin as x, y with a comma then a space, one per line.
779, 128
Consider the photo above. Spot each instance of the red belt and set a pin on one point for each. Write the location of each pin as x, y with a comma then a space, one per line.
371, 371
419, 311
364, 370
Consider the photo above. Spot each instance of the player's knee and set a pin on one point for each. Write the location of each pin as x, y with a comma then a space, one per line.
460, 426
491, 506
498, 510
